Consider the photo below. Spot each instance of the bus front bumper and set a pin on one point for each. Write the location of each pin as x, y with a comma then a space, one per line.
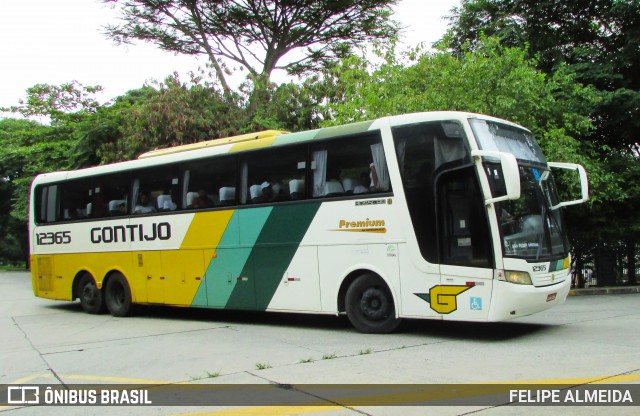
513, 300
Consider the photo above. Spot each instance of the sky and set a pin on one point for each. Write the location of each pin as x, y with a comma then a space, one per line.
55, 42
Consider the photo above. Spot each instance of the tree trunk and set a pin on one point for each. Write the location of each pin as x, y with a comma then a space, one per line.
259, 95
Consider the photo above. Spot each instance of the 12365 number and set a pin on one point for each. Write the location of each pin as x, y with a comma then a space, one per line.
60, 237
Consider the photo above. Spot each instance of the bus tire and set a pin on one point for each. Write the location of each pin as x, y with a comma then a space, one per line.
118, 296
370, 306
91, 298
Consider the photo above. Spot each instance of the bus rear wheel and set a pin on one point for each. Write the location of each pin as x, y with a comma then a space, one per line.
118, 296
370, 306
91, 298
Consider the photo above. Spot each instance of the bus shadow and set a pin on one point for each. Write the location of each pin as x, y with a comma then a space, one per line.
224, 317
480, 331
454, 330
240, 317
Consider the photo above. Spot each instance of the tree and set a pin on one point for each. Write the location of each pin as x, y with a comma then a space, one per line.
58, 101
256, 34
175, 113
598, 39
296, 107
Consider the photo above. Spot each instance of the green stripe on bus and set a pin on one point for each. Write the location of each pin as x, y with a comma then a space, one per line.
273, 252
224, 272
291, 138
347, 129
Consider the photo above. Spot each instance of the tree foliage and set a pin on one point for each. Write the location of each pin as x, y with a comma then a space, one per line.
255, 34
57, 102
597, 39
172, 113
489, 79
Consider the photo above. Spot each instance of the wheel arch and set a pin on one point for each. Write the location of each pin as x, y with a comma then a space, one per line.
118, 294
75, 285
353, 275
113, 271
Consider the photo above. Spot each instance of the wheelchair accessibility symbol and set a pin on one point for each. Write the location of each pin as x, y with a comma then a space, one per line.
476, 304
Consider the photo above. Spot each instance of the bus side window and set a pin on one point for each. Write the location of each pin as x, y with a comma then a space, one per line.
273, 175
207, 183
351, 165
75, 197
156, 190
110, 196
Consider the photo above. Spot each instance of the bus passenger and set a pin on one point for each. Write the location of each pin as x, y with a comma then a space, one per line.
272, 192
202, 200
373, 175
144, 205
363, 186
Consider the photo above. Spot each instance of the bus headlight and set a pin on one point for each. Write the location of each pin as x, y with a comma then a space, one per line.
520, 278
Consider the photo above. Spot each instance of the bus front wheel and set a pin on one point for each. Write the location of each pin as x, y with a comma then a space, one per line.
91, 298
118, 295
370, 306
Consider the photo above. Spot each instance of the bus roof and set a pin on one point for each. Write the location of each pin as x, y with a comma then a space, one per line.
214, 142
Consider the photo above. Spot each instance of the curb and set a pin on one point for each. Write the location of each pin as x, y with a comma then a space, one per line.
604, 291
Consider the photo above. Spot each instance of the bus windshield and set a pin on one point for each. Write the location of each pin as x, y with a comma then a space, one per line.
505, 138
529, 227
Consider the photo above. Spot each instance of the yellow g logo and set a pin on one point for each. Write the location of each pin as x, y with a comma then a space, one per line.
442, 298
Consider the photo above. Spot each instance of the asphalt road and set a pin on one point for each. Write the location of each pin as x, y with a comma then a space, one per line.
588, 339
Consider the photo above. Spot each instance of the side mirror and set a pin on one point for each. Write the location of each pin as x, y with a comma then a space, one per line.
584, 183
510, 173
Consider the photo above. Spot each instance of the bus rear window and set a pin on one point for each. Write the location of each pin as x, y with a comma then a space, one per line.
46, 205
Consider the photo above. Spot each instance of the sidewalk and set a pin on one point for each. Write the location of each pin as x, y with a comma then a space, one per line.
617, 290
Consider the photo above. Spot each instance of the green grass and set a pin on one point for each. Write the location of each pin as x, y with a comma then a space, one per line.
208, 374
12, 268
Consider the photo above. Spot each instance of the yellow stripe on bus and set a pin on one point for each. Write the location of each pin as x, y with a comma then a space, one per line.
206, 229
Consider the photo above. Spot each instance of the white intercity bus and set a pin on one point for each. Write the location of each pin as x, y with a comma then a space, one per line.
439, 215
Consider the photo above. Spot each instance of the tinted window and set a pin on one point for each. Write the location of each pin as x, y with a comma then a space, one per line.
351, 165
209, 183
110, 196
156, 190
274, 175
46, 206
76, 199
424, 150
464, 228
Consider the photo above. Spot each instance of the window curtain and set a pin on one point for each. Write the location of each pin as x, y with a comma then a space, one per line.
244, 182
185, 187
401, 151
319, 172
447, 150
136, 191
377, 152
